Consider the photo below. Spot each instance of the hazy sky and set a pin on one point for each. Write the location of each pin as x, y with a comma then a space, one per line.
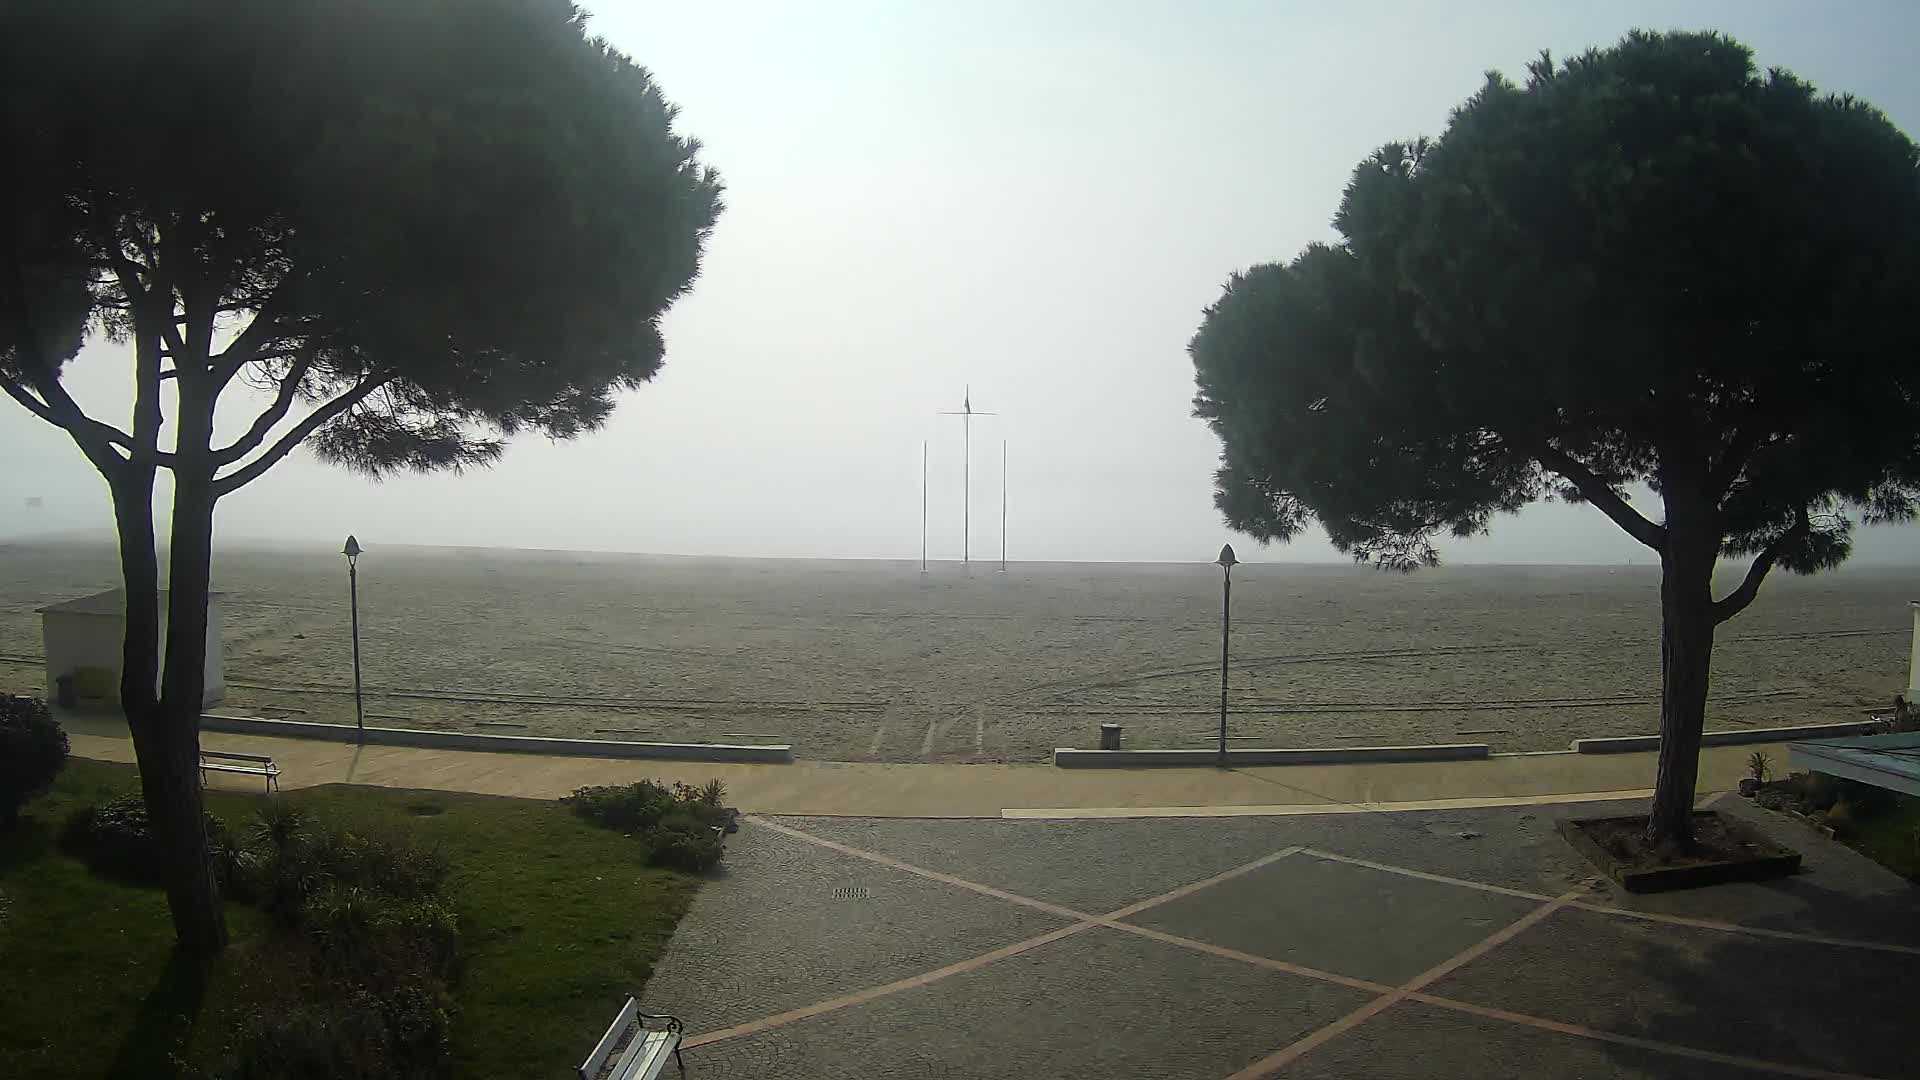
1034, 198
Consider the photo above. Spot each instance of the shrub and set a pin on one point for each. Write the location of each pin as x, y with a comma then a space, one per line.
628, 808
301, 1044
237, 867
279, 826
381, 940
712, 793
368, 933
1867, 800
1840, 818
33, 750
298, 861
681, 848
377, 1033
340, 918
429, 928
414, 1018
116, 838
393, 868
681, 827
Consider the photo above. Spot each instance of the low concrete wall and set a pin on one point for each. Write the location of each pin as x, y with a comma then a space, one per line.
519, 744
1628, 744
1068, 758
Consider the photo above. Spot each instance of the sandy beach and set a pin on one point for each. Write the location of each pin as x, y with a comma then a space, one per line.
863, 660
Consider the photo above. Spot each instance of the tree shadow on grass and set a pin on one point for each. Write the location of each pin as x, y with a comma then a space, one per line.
27, 841
164, 1024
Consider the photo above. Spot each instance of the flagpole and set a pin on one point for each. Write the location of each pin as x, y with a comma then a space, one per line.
966, 415
1003, 506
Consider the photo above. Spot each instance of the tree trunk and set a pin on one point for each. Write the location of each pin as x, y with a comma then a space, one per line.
140, 578
168, 751
193, 888
1686, 660
168, 746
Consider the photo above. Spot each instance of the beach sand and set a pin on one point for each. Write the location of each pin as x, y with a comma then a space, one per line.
862, 660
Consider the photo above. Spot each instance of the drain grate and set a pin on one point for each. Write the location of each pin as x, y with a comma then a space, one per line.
851, 892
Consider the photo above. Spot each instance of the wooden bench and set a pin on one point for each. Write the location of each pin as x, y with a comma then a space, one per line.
252, 764
630, 1050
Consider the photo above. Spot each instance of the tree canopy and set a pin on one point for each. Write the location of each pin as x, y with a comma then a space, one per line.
1651, 263
432, 223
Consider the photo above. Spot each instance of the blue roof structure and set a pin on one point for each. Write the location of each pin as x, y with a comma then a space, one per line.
1885, 761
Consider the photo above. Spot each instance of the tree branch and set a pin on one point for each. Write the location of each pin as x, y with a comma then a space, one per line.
244, 349
264, 423
95, 439
1736, 601
1740, 447
160, 294
248, 473
66, 414
1601, 494
53, 405
32, 404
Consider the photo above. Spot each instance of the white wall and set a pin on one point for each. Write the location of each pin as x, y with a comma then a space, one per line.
74, 640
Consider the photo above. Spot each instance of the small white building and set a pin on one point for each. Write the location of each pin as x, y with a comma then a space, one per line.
84, 640
1913, 666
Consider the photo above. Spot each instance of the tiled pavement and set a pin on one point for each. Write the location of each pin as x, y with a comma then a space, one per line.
1401, 946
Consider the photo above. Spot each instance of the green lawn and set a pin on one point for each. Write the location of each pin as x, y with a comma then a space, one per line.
1891, 839
559, 922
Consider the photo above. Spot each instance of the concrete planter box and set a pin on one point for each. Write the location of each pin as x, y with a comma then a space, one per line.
1068, 758
781, 753
1767, 859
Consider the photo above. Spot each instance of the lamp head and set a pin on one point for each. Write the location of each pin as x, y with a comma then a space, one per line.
352, 550
1226, 555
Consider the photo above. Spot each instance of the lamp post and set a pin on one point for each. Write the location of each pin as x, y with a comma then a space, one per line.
1226, 561
352, 552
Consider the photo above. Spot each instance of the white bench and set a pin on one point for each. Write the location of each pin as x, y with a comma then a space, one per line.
251, 764
642, 1051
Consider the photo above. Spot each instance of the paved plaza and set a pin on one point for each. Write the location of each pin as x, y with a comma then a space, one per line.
1460, 943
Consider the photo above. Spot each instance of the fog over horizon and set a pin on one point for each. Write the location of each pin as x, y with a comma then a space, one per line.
1028, 203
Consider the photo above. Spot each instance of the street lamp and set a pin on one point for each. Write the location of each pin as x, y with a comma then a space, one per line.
1226, 561
352, 552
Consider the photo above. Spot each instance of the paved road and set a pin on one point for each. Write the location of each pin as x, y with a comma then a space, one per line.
1392, 946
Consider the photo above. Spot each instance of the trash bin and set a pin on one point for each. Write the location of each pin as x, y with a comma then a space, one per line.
1109, 736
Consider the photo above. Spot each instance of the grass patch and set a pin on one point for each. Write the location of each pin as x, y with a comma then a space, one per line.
560, 920
1891, 839
1880, 824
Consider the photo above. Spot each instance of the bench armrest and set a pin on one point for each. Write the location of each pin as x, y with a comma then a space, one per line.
672, 1026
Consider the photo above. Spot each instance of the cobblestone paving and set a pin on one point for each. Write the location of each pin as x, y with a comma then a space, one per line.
1386, 927
1099, 865
1784, 1000
1397, 947
773, 935
1098, 1004
1103, 864
1414, 1040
